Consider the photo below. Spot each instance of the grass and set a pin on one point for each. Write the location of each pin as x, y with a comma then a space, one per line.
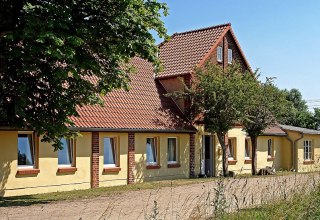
91, 193
300, 206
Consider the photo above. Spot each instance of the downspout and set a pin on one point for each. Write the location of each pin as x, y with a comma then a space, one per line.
294, 148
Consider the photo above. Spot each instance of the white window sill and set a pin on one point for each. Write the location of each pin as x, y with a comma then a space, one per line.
109, 165
21, 167
64, 165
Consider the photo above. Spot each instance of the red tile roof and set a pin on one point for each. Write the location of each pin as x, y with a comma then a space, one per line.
274, 131
185, 50
143, 107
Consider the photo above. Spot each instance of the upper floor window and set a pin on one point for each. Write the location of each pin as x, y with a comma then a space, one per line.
172, 150
270, 148
26, 150
232, 149
219, 54
307, 150
248, 149
152, 151
229, 56
66, 154
110, 152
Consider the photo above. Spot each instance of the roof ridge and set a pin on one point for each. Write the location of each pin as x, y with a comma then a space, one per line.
201, 29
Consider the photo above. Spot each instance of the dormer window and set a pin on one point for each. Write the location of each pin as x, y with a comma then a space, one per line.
229, 56
219, 54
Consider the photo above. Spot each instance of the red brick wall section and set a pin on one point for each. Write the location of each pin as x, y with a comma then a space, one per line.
192, 156
95, 160
131, 157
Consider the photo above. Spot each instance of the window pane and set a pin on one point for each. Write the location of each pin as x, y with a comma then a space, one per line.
109, 151
269, 147
230, 148
25, 149
247, 149
172, 149
151, 151
65, 155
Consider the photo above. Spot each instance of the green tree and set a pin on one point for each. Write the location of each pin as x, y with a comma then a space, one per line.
299, 115
216, 94
63, 54
263, 106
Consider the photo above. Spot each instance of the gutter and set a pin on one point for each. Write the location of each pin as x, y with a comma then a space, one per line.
83, 129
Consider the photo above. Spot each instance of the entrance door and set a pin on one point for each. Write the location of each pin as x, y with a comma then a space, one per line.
207, 153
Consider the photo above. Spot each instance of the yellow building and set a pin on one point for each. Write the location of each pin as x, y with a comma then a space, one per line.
143, 135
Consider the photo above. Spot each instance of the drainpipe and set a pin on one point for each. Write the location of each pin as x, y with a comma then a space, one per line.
294, 148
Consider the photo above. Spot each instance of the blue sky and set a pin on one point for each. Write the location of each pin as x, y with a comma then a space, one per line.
281, 37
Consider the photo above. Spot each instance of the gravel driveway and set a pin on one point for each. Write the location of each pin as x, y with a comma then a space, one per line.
181, 202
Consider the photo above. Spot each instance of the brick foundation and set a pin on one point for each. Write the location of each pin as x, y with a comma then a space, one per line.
131, 157
95, 160
192, 156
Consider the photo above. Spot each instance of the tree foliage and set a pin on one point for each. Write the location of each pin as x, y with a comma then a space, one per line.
264, 106
300, 116
217, 95
63, 54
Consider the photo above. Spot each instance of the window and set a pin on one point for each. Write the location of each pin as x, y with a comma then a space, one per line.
152, 151
248, 149
229, 56
172, 150
270, 148
232, 148
307, 149
219, 54
26, 150
110, 152
66, 155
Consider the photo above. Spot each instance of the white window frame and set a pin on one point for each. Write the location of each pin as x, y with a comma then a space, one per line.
156, 151
33, 151
115, 142
232, 140
72, 142
229, 56
219, 54
307, 144
248, 140
176, 161
271, 148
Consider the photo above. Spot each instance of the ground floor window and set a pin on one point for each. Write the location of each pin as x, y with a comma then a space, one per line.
232, 148
248, 149
26, 150
66, 154
270, 148
152, 151
110, 152
307, 149
172, 150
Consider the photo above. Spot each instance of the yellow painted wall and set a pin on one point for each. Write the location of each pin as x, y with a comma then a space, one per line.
316, 154
262, 152
142, 174
116, 178
48, 180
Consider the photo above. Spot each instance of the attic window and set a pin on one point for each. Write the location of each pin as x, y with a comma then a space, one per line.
229, 56
219, 54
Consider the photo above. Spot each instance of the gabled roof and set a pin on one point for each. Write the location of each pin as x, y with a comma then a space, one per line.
299, 129
143, 107
274, 131
184, 51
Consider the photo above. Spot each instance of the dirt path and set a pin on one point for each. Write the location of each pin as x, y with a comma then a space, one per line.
182, 202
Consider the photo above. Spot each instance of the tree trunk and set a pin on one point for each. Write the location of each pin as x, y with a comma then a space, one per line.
224, 146
254, 155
